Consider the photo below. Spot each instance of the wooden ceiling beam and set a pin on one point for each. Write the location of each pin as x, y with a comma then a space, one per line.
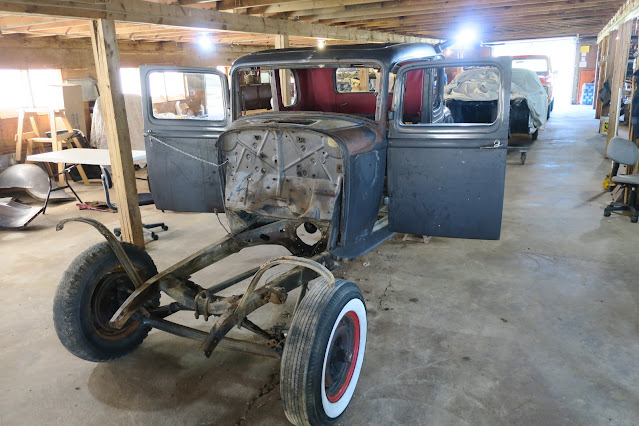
516, 34
9, 21
569, 30
482, 18
308, 14
465, 7
195, 2
65, 23
486, 22
497, 34
403, 7
315, 4
245, 4
179, 16
134, 31
494, 29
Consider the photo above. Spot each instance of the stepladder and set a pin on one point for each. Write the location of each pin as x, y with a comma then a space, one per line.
61, 135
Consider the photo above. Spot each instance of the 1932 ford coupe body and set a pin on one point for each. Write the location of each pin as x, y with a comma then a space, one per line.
326, 152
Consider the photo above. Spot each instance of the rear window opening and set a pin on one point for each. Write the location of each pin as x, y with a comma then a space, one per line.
355, 90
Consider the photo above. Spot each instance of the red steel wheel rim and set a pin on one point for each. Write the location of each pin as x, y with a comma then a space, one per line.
350, 322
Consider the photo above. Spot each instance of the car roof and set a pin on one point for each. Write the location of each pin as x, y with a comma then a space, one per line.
389, 54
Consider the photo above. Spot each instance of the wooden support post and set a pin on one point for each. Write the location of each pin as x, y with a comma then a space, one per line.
282, 42
602, 57
619, 66
107, 64
595, 100
609, 53
19, 136
363, 79
631, 127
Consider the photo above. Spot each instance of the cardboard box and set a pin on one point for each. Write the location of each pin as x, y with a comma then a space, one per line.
74, 106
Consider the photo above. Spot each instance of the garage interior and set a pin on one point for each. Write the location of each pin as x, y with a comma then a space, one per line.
537, 327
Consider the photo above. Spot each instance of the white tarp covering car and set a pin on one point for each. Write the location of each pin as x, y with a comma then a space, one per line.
482, 84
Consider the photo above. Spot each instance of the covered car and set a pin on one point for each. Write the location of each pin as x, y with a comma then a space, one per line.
472, 97
540, 65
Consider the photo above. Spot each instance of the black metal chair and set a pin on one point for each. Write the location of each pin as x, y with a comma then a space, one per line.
624, 151
144, 199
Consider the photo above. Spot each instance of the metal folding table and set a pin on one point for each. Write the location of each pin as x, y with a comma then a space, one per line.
75, 157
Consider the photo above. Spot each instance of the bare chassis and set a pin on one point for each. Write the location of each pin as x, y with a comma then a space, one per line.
230, 311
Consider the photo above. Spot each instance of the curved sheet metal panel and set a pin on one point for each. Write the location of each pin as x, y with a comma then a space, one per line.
33, 180
15, 215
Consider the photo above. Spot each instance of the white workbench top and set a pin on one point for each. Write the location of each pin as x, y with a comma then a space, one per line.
97, 157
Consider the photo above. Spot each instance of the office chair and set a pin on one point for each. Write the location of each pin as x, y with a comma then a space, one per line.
144, 199
623, 151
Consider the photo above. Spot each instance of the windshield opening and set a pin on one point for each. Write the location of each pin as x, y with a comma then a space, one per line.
352, 89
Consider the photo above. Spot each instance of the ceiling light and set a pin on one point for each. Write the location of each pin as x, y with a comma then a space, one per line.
205, 42
321, 43
466, 37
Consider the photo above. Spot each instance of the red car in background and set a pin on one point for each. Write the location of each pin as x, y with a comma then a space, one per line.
541, 65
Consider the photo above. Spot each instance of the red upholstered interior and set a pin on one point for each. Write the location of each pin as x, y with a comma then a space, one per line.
413, 95
317, 92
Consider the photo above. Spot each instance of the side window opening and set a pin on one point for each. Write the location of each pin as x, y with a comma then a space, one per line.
186, 95
413, 96
436, 99
255, 91
357, 80
288, 87
471, 95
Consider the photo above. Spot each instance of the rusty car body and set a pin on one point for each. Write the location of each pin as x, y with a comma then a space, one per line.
350, 168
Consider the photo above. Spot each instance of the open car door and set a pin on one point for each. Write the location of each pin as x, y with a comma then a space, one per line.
185, 110
446, 177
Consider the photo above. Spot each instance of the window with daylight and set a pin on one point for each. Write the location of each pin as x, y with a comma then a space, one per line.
38, 88
130, 78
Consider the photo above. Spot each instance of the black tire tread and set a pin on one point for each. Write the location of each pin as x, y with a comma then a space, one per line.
66, 320
299, 350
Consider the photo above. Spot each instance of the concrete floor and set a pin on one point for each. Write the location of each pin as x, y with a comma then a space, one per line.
539, 327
